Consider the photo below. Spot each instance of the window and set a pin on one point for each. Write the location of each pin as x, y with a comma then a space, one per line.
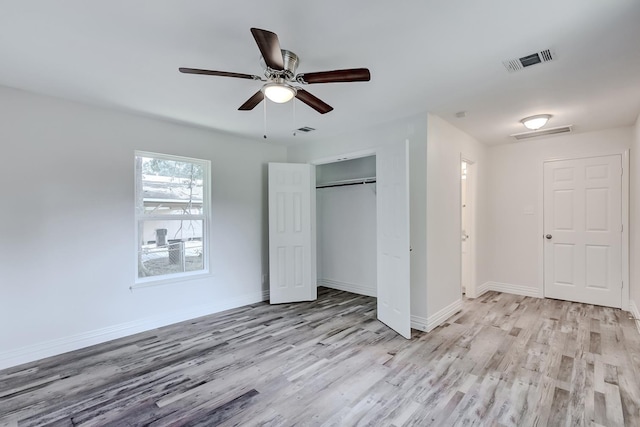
172, 216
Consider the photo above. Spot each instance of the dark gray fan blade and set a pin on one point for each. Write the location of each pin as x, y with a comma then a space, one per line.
336, 76
218, 73
252, 102
269, 48
316, 103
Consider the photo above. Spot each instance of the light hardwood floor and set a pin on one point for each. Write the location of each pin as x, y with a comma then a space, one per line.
504, 360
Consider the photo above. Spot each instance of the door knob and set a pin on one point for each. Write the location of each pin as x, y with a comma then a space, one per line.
548, 236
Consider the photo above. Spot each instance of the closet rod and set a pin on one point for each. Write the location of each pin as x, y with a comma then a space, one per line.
347, 183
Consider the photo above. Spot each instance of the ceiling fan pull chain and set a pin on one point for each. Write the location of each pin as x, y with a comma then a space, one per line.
294, 116
265, 119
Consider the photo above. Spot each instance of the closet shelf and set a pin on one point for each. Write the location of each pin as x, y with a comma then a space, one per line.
342, 183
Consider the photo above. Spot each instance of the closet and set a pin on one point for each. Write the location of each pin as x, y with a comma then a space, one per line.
346, 225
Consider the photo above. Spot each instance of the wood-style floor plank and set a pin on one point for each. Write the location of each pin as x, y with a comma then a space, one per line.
504, 360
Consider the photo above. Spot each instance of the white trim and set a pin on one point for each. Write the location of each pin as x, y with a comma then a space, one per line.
626, 195
472, 200
85, 339
349, 287
419, 323
346, 156
508, 288
633, 309
436, 319
482, 289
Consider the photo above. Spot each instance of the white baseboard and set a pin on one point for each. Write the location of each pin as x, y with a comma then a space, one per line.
482, 289
349, 287
508, 288
436, 319
633, 309
419, 323
85, 339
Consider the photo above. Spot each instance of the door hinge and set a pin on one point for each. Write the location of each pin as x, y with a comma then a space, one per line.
622, 285
621, 228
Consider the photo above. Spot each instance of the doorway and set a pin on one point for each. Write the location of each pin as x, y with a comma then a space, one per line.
346, 225
467, 227
292, 233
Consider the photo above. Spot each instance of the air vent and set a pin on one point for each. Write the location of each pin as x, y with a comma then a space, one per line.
305, 129
543, 132
513, 65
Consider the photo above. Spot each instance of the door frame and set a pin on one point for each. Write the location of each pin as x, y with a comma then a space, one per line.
345, 156
334, 159
625, 218
472, 194
374, 151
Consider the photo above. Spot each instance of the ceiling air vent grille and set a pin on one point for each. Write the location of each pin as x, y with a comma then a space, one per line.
305, 129
513, 65
542, 132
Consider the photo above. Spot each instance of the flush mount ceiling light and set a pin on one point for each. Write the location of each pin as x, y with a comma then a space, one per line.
535, 122
279, 92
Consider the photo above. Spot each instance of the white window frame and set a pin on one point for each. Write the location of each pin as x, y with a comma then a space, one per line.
140, 282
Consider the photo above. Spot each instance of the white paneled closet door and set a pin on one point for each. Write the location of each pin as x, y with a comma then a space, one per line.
394, 299
292, 263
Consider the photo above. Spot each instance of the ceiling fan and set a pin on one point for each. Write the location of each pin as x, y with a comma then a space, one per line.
280, 72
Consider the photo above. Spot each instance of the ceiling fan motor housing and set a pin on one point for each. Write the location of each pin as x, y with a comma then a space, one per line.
291, 62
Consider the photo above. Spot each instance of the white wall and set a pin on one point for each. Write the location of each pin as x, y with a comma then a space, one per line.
412, 129
435, 150
359, 168
445, 146
515, 187
67, 242
346, 225
634, 219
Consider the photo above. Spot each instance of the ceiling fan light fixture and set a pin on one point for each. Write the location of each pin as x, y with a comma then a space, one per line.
535, 122
279, 92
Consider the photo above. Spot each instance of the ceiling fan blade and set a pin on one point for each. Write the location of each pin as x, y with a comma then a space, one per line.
316, 103
269, 48
336, 76
218, 73
252, 102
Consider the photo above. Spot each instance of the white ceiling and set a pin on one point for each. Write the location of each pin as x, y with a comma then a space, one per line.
436, 56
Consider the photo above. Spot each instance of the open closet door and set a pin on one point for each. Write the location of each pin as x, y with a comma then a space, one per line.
292, 273
394, 299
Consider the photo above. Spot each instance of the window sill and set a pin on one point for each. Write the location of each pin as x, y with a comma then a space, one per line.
146, 283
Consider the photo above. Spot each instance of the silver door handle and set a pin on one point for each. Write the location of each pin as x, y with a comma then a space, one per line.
548, 236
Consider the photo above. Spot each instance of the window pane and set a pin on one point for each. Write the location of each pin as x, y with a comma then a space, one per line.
171, 187
170, 246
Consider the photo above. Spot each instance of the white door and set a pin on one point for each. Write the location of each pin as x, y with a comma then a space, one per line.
394, 300
583, 230
292, 274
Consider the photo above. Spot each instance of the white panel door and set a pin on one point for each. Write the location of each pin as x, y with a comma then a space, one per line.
291, 241
583, 230
394, 303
